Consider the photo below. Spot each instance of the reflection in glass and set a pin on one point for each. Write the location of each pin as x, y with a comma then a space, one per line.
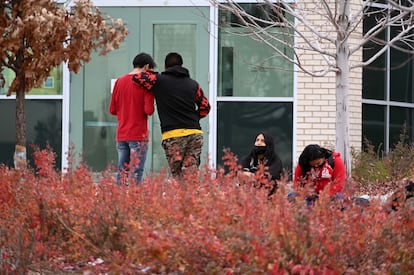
401, 72
99, 126
394, 76
249, 68
375, 74
264, 12
239, 123
43, 127
402, 77
179, 38
400, 117
373, 125
51, 86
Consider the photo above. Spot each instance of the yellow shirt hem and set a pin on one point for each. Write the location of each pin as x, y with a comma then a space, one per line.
180, 133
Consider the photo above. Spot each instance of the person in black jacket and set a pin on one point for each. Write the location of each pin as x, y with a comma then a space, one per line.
263, 156
181, 104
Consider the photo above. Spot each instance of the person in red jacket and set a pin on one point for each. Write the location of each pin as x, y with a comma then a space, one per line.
132, 105
318, 169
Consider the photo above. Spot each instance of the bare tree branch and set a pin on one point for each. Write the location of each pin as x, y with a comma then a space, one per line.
332, 30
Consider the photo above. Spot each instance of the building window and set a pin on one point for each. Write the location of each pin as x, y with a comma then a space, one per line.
388, 92
240, 122
43, 128
51, 86
255, 87
43, 107
248, 67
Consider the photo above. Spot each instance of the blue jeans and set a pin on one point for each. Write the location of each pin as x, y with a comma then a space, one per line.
131, 160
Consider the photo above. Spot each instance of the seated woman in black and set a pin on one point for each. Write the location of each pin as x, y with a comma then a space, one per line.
263, 155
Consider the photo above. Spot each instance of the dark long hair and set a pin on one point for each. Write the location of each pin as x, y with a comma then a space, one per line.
270, 152
273, 161
312, 152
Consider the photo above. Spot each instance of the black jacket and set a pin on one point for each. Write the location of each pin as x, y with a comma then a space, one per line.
271, 160
180, 100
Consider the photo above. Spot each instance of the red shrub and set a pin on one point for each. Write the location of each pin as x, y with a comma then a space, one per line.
209, 222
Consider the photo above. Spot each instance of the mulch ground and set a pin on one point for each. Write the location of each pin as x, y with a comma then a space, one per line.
380, 188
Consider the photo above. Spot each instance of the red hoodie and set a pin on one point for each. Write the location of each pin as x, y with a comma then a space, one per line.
132, 105
324, 176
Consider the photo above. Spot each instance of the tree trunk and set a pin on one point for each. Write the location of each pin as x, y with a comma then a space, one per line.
342, 115
20, 158
342, 86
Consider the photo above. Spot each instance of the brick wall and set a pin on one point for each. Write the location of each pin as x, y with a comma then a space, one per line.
315, 98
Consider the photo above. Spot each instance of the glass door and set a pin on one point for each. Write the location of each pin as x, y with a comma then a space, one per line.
182, 30
154, 30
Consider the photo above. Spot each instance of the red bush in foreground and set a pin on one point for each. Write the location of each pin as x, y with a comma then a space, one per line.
210, 223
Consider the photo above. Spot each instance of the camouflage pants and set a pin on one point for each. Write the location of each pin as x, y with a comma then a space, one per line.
183, 153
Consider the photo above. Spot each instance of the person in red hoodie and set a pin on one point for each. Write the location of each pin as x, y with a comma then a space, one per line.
132, 105
318, 169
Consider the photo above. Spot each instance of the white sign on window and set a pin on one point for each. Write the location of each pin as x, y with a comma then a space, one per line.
112, 85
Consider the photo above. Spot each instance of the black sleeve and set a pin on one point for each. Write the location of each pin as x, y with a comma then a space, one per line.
275, 168
245, 162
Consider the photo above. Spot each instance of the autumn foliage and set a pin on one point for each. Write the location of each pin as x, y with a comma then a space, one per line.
39, 35
211, 223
